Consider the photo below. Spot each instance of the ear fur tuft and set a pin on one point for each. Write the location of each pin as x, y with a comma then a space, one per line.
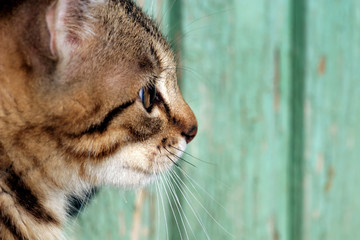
69, 22
56, 19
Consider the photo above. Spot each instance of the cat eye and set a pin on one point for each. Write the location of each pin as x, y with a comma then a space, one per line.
147, 96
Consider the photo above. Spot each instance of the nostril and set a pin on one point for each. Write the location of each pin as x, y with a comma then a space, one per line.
189, 136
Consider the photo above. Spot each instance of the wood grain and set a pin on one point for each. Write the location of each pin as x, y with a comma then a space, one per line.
239, 51
332, 133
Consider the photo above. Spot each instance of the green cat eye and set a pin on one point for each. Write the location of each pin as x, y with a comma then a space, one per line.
147, 96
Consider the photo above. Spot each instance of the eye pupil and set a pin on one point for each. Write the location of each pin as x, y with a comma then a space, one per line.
147, 96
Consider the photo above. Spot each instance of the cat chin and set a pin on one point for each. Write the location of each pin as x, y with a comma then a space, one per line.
128, 179
137, 165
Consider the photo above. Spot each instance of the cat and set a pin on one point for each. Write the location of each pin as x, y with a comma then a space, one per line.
88, 97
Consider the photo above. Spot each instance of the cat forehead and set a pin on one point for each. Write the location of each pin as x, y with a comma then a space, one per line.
109, 32
109, 17
122, 12
123, 25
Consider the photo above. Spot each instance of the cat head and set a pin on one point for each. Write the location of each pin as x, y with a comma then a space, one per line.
98, 93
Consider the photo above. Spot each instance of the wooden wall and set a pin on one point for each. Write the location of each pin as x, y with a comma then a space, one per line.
276, 89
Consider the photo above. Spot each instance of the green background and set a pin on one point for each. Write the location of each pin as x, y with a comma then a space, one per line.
275, 86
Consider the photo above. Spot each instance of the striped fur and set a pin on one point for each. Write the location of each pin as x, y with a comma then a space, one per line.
71, 117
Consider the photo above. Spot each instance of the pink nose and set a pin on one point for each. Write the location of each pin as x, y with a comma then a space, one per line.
189, 136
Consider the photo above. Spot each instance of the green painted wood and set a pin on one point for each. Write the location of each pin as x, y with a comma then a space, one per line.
296, 157
236, 78
332, 114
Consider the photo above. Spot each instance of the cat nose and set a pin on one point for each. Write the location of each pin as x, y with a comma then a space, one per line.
190, 134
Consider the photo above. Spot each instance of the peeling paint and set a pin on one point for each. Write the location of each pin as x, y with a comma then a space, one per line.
276, 80
139, 203
330, 178
273, 229
320, 163
322, 66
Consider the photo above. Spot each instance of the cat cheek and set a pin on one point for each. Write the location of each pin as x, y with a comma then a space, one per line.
129, 167
137, 164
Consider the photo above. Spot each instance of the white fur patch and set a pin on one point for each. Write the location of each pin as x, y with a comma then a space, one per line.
136, 165
97, 1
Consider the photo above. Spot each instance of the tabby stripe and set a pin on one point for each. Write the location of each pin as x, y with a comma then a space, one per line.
138, 16
153, 128
109, 150
26, 198
155, 55
8, 223
101, 127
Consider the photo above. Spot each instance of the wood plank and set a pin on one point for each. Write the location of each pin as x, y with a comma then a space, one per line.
236, 77
296, 144
332, 113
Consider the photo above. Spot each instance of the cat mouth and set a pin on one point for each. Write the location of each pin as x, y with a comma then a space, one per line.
167, 156
171, 152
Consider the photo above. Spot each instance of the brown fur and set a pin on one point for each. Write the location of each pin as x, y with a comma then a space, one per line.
67, 117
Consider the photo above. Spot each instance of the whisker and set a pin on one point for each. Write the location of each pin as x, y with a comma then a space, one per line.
178, 203
203, 207
195, 21
163, 15
188, 202
171, 207
191, 181
158, 208
210, 163
158, 201
183, 212
163, 207
180, 157
176, 164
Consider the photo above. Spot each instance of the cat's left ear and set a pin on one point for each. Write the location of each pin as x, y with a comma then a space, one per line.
68, 24
56, 22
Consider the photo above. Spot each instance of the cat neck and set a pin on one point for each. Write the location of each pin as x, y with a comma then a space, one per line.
30, 193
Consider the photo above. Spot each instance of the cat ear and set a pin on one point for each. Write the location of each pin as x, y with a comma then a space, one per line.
60, 38
69, 22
